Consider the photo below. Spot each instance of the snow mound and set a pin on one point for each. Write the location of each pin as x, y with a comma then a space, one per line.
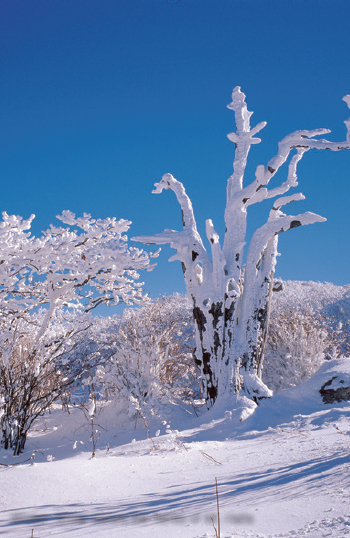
332, 375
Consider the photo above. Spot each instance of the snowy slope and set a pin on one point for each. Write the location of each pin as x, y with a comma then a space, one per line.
282, 472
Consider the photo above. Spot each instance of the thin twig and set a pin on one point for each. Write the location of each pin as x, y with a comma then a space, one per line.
148, 430
217, 530
210, 458
217, 505
339, 430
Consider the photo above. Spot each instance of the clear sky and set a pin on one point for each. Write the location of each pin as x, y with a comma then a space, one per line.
99, 98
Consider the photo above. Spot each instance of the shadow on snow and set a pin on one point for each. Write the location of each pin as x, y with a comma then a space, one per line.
192, 503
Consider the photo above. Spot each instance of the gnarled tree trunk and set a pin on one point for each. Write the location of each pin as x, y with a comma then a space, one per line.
231, 300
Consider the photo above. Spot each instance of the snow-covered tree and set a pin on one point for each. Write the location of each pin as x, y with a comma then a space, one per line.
230, 299
48, 286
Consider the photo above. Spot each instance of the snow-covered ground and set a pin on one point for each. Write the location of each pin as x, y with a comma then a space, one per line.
283, 472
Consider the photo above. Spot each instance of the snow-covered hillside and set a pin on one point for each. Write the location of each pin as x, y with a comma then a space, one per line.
281, 472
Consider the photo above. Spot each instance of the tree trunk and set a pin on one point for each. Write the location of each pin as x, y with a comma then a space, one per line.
209, 346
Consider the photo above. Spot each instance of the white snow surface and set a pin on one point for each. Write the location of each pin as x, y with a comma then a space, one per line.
284, 471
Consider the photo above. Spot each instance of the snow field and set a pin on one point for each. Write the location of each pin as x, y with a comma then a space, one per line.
282, 472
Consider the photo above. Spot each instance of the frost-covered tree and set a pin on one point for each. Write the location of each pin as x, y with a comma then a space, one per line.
230, 299
48, 286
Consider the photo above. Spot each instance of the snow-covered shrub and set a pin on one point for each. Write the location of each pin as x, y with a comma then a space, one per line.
147, 354
33, 377
306, 327
295, 347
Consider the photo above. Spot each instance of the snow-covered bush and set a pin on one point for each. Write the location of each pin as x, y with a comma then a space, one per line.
147, 355
48, 284
307, 326
295, 347
33, 377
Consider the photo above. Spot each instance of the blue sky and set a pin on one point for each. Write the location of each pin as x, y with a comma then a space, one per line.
99, 98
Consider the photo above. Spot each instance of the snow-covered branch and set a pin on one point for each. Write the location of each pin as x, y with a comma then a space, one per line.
277, 223
187, 243
302, 141
243, 139
217, 257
